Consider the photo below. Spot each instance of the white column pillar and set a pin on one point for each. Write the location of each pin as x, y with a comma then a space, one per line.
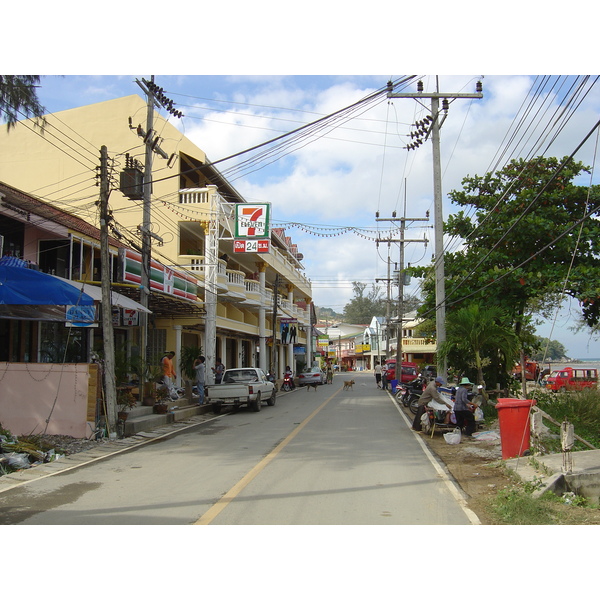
238, 352
178, 346
262, 321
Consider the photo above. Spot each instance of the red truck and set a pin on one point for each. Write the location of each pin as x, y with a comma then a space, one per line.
572, 379
410, 370
532, 371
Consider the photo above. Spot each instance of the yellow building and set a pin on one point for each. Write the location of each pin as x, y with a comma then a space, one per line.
192, 230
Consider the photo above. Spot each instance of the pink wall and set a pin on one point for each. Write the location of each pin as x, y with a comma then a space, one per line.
32, 393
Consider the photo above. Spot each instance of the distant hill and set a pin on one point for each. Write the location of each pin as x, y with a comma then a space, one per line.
328, 314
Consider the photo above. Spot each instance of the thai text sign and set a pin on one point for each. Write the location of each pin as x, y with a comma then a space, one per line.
260, 246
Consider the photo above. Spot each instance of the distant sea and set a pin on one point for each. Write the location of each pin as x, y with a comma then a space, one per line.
593, 363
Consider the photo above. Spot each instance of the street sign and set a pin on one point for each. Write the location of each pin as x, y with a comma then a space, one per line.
259, 246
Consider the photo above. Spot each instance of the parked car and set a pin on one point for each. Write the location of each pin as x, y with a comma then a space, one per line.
313, 375
409, 370
245, 386
572, 379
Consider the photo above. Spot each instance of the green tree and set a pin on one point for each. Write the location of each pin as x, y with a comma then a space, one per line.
549, 350
477, 337
18, 98
363, 307
512, 256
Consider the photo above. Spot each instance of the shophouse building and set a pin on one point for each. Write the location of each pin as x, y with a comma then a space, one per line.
209, 288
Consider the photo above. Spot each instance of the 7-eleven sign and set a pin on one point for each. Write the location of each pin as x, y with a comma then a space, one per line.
252, 220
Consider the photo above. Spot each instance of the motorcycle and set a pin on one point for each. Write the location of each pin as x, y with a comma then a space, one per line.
288, 383
409, 393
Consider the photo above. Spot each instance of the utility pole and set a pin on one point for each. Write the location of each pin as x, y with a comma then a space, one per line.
145, 231
110, 387
423, 132
400, 274
388, 299
154, 95
274, 353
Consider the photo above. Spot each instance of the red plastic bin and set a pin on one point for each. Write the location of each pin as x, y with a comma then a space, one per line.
513, 415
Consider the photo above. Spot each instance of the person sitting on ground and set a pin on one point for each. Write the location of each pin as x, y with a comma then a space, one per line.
463, 409
429, 393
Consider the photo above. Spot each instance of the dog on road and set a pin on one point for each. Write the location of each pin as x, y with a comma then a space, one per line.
311, 385
348, 385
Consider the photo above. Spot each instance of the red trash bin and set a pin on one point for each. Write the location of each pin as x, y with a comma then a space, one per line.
513, 415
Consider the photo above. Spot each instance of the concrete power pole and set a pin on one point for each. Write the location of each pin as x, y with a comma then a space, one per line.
110, 387
400, 274
434, 129
388, 299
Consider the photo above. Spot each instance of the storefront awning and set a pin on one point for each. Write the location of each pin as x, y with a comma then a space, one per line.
19, 285
31, 295
95, 292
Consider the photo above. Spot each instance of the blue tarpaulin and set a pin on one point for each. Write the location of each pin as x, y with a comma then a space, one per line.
26, 286
29, 294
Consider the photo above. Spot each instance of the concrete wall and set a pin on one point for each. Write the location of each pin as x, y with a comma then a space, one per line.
32, 393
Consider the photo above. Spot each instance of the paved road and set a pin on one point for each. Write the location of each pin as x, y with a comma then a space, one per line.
324, 457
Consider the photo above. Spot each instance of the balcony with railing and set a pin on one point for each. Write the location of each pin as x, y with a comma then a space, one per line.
253, 295
193, 263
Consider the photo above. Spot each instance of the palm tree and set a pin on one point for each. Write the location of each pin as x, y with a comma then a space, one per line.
474, 333
18, 98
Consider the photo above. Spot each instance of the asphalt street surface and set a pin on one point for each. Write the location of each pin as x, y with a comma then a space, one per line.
325, 457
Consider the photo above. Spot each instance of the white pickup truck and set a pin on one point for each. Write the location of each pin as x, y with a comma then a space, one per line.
247, 385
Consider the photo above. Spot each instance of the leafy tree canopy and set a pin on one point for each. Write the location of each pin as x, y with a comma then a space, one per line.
18, 98
521, 241
363, 307
478, 337
549, 350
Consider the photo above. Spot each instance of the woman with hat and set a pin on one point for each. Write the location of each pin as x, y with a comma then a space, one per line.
463, 409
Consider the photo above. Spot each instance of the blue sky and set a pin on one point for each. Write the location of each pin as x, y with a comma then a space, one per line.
343, 176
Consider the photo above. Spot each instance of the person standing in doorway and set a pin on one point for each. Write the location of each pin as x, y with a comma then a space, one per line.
200, 369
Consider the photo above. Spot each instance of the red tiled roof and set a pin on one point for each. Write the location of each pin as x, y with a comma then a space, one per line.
45, 210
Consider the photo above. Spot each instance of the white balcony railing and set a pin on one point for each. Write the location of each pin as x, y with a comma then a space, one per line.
193, 196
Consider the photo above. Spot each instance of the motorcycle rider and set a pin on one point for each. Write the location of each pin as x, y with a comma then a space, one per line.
430, 393
289, 373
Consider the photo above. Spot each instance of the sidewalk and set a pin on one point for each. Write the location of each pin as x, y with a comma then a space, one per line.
103, 449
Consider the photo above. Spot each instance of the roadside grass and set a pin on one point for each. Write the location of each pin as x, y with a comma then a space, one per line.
516, 504
582, 409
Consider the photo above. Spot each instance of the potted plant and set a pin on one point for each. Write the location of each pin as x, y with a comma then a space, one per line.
186, 363
149, 373
125, 401
162, 396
